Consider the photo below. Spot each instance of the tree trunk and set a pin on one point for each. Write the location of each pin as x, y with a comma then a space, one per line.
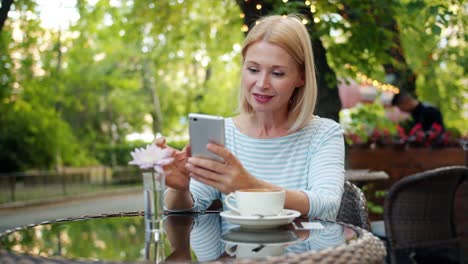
149, 85
403, 76
328, 102
4, 9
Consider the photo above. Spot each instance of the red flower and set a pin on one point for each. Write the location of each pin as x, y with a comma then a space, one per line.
402, 133
415, 129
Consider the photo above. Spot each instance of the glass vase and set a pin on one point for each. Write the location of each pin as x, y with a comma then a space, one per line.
153, 192
154, 244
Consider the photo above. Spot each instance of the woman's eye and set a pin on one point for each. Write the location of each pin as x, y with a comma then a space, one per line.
253, 70
278, 74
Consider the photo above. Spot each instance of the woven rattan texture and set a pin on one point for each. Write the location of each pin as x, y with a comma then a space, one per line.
353, 208
419, 211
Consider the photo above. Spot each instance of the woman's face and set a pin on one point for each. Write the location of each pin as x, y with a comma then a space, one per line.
269, 77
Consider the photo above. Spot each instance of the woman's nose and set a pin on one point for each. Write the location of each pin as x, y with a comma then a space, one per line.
263, 81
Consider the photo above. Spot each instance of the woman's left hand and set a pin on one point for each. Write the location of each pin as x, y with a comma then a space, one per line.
227, 177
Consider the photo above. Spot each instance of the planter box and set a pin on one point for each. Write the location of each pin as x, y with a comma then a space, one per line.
400, 163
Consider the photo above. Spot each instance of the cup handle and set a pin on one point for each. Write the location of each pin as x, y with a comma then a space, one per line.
227, 201
230, 249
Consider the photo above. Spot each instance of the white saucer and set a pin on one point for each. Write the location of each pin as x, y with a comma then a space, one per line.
270, 237
261, 222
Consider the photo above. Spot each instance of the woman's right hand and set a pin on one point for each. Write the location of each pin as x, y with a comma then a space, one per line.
177, 176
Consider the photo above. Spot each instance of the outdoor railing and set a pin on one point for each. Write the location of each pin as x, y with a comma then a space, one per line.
39, 185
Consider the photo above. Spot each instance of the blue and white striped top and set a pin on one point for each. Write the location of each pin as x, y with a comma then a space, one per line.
310, 160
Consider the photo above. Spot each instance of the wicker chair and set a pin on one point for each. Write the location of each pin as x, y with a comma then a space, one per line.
353, 208
419, 217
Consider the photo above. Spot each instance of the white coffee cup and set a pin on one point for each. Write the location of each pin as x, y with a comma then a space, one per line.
261, 202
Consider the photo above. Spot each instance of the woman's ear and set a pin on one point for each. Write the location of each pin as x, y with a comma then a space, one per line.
301, 81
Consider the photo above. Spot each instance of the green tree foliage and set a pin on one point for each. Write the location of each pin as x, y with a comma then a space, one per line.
31, 136
32, 133
434, 37
70, 95
145, 60
424, 41
123, 67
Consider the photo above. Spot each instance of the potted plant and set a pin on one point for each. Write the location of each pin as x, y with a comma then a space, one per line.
366, 126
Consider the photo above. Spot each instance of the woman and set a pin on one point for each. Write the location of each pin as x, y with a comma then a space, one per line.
275, 141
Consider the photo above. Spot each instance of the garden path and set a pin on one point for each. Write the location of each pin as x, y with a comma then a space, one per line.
110, 203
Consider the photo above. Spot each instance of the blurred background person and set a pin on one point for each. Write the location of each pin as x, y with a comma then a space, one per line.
421, 113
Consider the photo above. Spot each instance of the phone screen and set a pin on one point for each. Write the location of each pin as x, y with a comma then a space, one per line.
204, 129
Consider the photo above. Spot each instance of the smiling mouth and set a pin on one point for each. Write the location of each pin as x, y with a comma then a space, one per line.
262, 98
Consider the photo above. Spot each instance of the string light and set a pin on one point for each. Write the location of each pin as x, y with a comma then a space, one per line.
367, 80
307, 3
242, 15
316, 19
285, 1
304, 21
258, 6
313, 9
244, 28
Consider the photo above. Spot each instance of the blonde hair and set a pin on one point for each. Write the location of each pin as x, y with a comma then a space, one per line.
290, 34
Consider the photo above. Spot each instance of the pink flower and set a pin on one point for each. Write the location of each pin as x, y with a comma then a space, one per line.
151, 157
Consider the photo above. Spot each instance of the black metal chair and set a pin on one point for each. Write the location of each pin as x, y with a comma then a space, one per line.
353, 208
419, 217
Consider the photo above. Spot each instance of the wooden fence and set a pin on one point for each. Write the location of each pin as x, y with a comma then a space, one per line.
21, 186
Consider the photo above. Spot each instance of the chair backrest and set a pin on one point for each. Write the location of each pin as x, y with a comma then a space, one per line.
419, 211
353, 208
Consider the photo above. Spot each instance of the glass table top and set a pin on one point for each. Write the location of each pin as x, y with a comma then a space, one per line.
187, 237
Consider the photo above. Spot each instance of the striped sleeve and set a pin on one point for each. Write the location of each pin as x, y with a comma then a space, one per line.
326, 173
203, 195
205, 237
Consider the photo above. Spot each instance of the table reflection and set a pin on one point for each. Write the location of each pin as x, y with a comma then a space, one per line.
114, 238
188, 237
247, 243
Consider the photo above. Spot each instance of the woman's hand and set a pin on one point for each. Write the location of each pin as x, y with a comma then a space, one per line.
226, 177
177, 176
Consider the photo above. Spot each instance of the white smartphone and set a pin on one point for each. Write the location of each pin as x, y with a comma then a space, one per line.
204, 129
